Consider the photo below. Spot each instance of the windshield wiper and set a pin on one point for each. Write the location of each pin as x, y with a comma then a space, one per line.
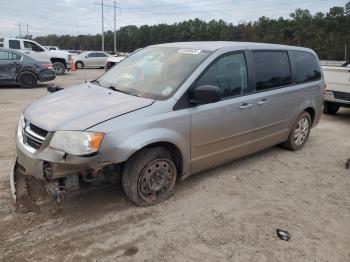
97, 82
123, 91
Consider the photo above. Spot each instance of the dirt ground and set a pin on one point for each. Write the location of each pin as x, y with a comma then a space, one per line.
230, 213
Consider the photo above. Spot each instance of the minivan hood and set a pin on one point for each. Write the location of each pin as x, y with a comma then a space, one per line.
80, 107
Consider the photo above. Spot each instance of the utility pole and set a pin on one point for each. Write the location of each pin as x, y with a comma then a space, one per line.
103, 30
346, 52
115, 7
20, 31
115, 29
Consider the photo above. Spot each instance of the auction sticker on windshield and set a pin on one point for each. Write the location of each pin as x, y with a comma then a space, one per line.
189, 51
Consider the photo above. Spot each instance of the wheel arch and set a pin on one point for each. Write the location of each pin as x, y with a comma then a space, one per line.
173, 149
312, 113
27, 70
79, 61
61, 60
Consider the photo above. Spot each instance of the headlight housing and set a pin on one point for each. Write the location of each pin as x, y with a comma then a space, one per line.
77, 142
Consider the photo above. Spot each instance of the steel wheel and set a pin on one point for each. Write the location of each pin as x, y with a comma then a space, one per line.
301, 132
156, 180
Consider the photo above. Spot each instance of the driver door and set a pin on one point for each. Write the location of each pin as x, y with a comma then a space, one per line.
91, 59
35, 51
221, 131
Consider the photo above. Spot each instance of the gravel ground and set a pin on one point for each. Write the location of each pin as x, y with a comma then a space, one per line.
227, 214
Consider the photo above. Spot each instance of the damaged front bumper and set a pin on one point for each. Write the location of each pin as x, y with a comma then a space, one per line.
58, 170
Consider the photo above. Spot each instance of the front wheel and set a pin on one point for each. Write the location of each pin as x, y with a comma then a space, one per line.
149, 177
59, 68
330, 108
300, 132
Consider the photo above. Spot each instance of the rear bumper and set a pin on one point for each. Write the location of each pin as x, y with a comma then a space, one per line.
47, 75
337, 97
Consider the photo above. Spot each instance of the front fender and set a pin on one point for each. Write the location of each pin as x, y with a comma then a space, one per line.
139, 140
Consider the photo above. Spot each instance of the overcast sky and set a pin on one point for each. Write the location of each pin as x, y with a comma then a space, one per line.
84, 16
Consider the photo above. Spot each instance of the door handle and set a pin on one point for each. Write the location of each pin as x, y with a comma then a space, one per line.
245, 105
262, 102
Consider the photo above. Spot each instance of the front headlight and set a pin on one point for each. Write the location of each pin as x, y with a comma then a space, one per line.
20, 127
76, 142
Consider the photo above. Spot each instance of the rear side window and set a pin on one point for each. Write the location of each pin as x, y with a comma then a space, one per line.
14, 44
272, 69
306, 67
101, 55
229, 73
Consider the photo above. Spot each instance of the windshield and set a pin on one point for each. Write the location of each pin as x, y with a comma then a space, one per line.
153, 72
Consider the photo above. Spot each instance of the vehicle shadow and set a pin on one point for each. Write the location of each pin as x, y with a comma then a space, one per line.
343, 115
39, 85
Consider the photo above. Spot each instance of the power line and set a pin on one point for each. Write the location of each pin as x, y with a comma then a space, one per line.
20, 29
179, 9
115, 7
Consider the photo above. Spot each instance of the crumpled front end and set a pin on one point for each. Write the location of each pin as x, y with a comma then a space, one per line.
38, 165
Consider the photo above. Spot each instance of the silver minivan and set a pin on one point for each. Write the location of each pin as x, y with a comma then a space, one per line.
166, 112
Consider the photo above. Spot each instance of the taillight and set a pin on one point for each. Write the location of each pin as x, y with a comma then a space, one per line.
324, 88
49, 66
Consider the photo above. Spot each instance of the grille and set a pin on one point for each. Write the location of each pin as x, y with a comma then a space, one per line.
341, 95
38, 130
34, 136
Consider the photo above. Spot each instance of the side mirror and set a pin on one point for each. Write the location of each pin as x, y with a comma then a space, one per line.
206, 94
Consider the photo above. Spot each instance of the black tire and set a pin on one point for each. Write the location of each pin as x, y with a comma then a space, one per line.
293, 143
330, 108
149, 176
79, 65
27, 79
59, 68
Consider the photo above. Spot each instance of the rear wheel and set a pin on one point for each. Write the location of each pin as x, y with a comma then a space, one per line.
149, 177
27, 80
59, 68
330, 108
300, 132
79, 65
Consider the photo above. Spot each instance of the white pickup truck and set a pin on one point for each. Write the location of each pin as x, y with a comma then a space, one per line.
61, 60
337, 88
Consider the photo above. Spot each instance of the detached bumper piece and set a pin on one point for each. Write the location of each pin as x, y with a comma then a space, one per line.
20, 193
30, 192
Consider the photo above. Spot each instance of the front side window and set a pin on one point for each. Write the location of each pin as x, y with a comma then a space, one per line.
229, 73
92, 55
32, 46
154, 72
14, 44
306, 67
4, 55
272, 69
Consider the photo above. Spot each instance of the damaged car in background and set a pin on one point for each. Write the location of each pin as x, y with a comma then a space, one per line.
166, 112
20, 69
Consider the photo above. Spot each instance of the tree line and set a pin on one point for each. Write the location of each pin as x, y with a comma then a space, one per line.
326, 33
